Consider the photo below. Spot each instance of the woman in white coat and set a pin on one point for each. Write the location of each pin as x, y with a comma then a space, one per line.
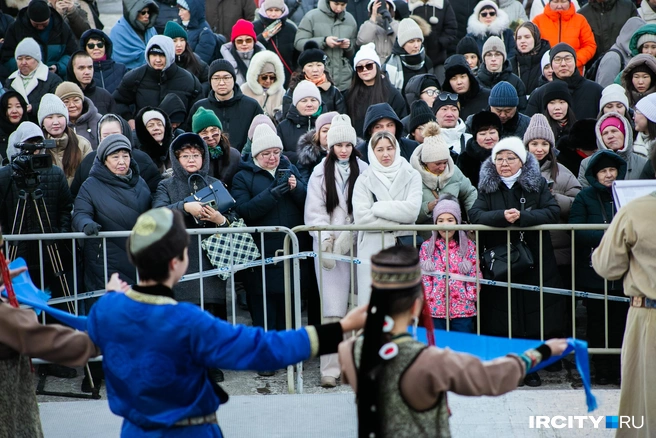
388, 193
330, 202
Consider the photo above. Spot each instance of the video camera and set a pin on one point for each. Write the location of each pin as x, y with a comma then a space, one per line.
26, 164
386, 16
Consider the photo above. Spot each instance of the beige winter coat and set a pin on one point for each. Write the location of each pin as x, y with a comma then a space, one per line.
271, 99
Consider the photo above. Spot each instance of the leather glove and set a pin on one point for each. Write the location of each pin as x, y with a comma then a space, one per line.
327, 248
91, 229
342, 244
280, 191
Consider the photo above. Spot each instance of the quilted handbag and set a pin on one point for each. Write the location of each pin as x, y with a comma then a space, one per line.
225, 250
495, 260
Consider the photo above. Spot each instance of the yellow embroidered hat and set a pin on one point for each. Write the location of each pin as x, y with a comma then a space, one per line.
150, 228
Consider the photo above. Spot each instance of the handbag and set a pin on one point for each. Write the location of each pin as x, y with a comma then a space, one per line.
214, 194
225, 250
409, 240
495, 260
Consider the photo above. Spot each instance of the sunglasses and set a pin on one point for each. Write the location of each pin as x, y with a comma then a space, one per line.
147, 12
268, 77
444, 96
491, 14
92, 46
431, 93
241, 41
368, 66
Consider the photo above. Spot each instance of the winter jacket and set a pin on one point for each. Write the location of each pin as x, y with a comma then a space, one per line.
168, 11
131, 36
400, 67
537, 7
384, 111
619, 54
222, 14
115, 205
489, 80
171, 193
57, 41
586, 209
290, 131
108, 73
647, 13
463, 10
174, 108
626, 77
6, 21
515, 11
359, 9
200, 72
471, 159
568, 27
443, 36
371, 32
336, 281
321, 23
225, 172
606, 19
271, 99
634, 162
331, 99
159, 153
283, 41
235, 115
499, 27
394, 99
43, 82
585, 97
87, 124
476, 98
251, 188
200, 37
528, 67
101, 98
227, 53
57, 153
6, 126
299, 9
309, 155
540, 208
564, 190
146, 86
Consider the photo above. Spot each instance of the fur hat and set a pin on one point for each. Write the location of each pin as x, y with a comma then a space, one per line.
434, 147
538, 128
51, 104
204, 118
512, 144
503, 95
311, 53
264, 138
494, 44
68, 89
341, 131
368, 51
408, 30
483, 120
420, 113
28, 47
305, 89
613, 93
243, 28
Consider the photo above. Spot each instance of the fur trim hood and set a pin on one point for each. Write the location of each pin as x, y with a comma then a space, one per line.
255, 67
309, 152
497, 27
414, 4
530, 179
425, 27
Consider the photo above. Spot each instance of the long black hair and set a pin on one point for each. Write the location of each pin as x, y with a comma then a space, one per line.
332, 198
361, 96
557, 129
187, 60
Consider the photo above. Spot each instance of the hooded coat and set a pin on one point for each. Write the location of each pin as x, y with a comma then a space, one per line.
528, 67
101, 98
173, 106
647, 13
371, 32
515, 11
145, 142
476, 98
115, 205
376, 113
87, 124
540, 208
283, 41
443, 35
489, 80
587, 209
586, 95
200, 37
619, 54
634, 162
321, 23
6, 127
107, 73
146, 86
606, 18
43, 82
271, 99
291, 129
171, 193
499, 27
130, 36
627, 76
222, 14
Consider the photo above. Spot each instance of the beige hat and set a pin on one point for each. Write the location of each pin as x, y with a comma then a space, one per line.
264, 138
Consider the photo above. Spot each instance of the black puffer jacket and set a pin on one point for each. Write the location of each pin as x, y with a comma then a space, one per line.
376, 113
101, 98
158, 153
6, 127
108, 73
528, 67
115, 205
540, 208
283, 40
471, 159
444, 33
463, 10
585, 97
489, 80
291, 129
476, 98
606, 19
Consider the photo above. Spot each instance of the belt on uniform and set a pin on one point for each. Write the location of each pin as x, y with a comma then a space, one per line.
196, 421
645, 302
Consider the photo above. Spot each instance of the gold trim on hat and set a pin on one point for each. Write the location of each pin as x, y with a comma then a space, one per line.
395, 277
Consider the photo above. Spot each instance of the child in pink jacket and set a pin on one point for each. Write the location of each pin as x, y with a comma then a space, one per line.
462, 260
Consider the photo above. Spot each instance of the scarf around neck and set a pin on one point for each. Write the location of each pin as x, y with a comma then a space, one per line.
509, 181
388, 174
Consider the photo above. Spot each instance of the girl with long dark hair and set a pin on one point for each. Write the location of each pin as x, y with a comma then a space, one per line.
184, 55
558, 109
13, 111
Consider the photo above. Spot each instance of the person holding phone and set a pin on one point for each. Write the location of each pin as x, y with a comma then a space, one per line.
377, 29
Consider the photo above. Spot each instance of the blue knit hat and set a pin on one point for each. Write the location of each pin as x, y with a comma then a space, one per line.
503, 95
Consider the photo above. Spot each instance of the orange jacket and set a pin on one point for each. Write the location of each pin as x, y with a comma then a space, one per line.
568, 27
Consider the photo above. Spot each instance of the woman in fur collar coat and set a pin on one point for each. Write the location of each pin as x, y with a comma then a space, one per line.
488, 20
512, 175
444, 27
264, 83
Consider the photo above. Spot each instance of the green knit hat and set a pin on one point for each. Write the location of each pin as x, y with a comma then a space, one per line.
204, 118
174, 30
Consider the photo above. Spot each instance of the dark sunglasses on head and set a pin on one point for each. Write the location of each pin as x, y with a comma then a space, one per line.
146, 12
444, 96
266, 77
368, 66
491, 14
92, 46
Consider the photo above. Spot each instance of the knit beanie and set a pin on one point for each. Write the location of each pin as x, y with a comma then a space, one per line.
341, 131
559, 48
612, 121
25, 131
68, 89
38, 11
264, 138
183, 4
28, 47
646, 38
324, 119
408, 30
503, 95
539, 129
445, 99
111, 144
512, 144
434, 147
305, 89
642, 68
221, 65
367, 52
647, 106
51, 104
259, 120
556, 90
270, 4
494, 44
204, 118
242, 28
420, 113
613, 93
153, 114
156, 50
468, 45
429, 80
173, 30
311, 53
546, 59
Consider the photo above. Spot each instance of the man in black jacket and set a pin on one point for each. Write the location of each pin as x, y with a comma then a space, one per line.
459, 79
234, 110
80, 72
381, 117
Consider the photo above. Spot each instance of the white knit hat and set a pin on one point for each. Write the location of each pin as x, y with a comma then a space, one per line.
305, 89
613, 93
494, 44
269, 4
341, 131
28, 47
647, 106
153, 114
264, 138
546, 59
368, 51
408, 30
646, 38
50, 104
434, 147
512, 144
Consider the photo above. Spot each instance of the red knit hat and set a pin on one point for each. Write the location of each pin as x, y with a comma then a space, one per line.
612, 121
241, 28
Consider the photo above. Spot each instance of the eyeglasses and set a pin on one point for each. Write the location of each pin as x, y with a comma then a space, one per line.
510, 160
190, 157
240, 41
92, 46
367, 66
432, 93
491, 14
144, 12
268, 77
276, 153
444, 96
561, 59
219, 79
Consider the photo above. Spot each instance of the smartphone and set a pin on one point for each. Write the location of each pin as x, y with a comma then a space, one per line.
282, 176
211, 204
340, 40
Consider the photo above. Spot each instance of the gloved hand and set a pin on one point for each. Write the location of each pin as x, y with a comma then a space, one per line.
91, 229
342, 244
280, 190
326, 249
